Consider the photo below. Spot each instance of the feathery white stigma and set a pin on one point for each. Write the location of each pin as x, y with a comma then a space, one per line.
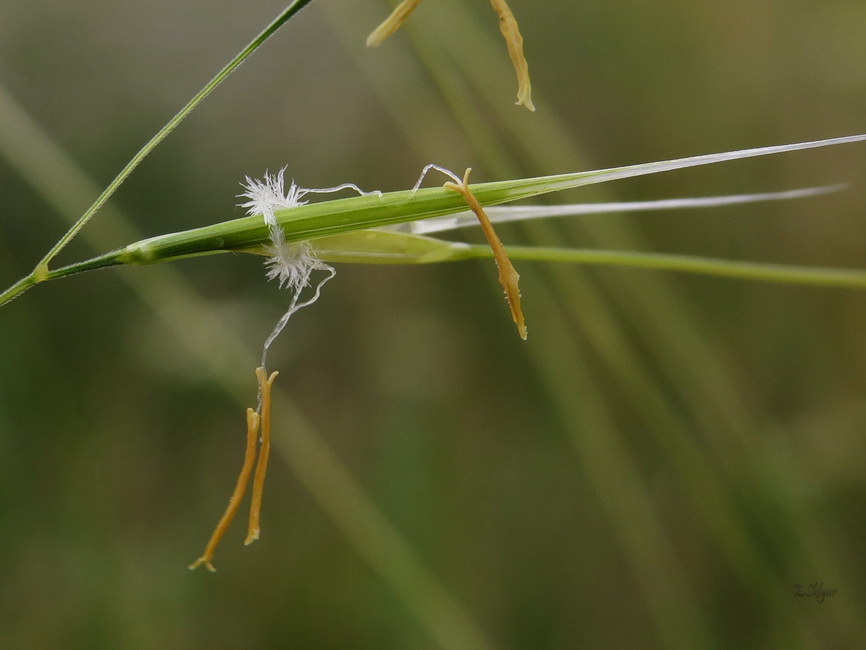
291, 263
267, 195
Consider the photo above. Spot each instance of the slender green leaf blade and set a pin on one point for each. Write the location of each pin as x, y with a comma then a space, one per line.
340, 216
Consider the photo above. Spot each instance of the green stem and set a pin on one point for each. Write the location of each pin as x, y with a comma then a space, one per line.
17, 289
759, 271
756, 271
101, 262
41, 271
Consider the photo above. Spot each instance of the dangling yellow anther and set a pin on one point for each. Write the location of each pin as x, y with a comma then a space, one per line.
237, 495
265, 384
514, 42
507, 25
508, 276
392, 23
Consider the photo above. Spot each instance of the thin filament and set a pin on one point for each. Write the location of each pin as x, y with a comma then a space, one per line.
442, 170
294, 306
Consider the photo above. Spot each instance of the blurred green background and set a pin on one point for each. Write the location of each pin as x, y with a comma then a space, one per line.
657, 466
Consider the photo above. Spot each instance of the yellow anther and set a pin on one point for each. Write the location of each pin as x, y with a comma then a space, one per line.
392, 23
265, 384
237, 495
508, 276
514, 42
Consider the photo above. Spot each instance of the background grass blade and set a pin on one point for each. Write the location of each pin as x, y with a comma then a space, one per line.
198, 327
525, 476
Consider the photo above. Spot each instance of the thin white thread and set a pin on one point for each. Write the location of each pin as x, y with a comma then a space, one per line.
338, 188
294, 306
291, 263
437, 168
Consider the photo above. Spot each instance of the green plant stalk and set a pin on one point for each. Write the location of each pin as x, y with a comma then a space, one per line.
357, 215
760, 271
41, 271
385, 247
398, 248
351, 215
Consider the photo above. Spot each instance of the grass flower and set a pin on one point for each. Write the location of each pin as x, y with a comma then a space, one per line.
388, 228
300, 239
